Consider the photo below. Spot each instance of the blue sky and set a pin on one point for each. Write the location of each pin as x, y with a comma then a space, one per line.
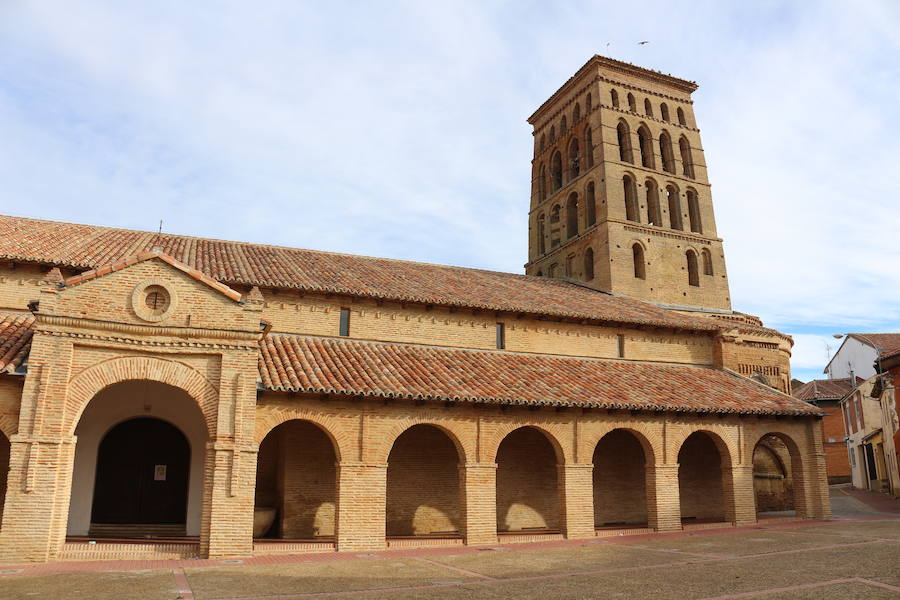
398, 129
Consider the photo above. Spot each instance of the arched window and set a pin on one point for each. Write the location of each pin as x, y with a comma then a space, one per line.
694, 212
543, 142
539, 273
554, 214
574, 159
588, 264
572, 215
681, 120
624, 136
664, 111
588, 104
674, 207
542, 184
614, 98
687, 160
632, 105
563, 126
552, 134
706, 257
693, 275
590, 207
631, 204
589, 146
556, 171
576, 113
646, 142
541, 233
665, 151
654, 213
648, 108
640, 267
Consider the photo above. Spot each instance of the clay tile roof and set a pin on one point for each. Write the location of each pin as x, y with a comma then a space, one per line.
825, 389
880, 341
15, 339
339, 366
91, 247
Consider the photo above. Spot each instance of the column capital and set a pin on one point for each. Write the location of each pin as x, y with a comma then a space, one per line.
50, 440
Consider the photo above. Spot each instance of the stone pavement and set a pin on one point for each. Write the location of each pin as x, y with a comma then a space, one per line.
853, 556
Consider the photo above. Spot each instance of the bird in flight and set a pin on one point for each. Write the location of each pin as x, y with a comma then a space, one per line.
642, 43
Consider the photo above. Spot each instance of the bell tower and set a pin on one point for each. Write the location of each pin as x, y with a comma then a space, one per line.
620, 199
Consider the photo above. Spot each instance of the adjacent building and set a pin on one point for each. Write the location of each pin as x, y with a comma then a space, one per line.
885, 391
826, 395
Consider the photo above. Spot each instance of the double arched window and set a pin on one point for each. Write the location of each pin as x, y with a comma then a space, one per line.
645, 139
694, 211
624, 136
631, 203
588, 264
572, 215
674, 202
640, 266
654, 213
693, 273
590, 205
665, 151
556, 171
687, 160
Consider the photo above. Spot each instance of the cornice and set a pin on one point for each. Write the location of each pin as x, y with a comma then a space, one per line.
145, 342
53, 321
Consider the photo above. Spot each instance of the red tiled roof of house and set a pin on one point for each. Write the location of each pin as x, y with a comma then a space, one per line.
15, 339
880, 341
825, 389
358, 368
90, 247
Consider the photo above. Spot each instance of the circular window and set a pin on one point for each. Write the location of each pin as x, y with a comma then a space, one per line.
157, 299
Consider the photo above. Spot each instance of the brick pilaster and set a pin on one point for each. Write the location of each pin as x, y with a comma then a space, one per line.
228, 499
738, 494
663, 498
478, 487
576, 502
361, 497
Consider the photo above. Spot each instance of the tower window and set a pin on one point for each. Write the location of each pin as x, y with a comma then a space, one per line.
646, 143
614, 98
542, 184
554, 214
654, 215
620, 345
590, 205
588, 104
694, 212
681, 119
640, 266
631, 205
664, 111
687, 160
572, 215
648, 108
345, 322
632, 105
576, 114
570, 265
589, 146
574, 159
501, 336
541, 233
556, 171
543, 142
588, 264
624, 136
563, 125
693, 274
665, 151
706, 257
674, 207
552, 134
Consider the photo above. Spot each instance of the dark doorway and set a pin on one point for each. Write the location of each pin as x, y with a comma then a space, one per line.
142, 476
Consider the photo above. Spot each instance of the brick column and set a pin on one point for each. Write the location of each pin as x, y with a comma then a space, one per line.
663, 498
817, 486
361, 502
478, 488
37, 497
739, 496
228, 499
576, 499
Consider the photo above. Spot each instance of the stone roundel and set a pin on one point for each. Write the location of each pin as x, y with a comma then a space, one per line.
153, 300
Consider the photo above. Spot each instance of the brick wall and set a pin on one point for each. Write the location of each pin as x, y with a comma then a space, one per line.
527, 492
619, 480
700, 479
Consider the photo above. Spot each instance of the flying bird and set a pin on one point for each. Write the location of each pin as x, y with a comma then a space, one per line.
642, 43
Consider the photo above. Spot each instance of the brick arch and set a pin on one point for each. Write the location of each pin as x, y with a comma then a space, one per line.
727, 450
492, 445
454, 431
9, 425
644, 435
87, 384
797, 471
341, 442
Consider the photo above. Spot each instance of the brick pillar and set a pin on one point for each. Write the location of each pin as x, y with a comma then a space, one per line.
228, 499
37, 498
478, 488
361, 502
817, 486
576, 499
738, 494
663, 498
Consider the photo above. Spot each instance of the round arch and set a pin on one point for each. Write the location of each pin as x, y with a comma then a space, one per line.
453, 431
509, 428
793, 488
268, 421
704, 481
623, 459
100, 376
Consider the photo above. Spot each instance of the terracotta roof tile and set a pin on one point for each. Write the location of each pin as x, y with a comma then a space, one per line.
15, 339
880, 341
821, 389
338, 366
90, 247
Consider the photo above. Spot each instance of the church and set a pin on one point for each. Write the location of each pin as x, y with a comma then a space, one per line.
166, 396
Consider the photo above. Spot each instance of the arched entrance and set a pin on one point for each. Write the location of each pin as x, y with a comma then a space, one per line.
141, 485
423, 491
777, 477
4, 471
139, 463
527, 482
296, 483
701, 479
620, 480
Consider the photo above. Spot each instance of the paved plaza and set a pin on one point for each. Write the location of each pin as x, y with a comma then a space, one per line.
853, 556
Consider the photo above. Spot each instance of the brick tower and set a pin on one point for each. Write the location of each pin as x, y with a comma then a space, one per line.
620, 197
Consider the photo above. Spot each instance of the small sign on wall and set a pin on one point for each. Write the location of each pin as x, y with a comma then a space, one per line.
159, 473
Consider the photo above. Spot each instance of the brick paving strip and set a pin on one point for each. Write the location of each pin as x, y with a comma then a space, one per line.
803, 586
183, 588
